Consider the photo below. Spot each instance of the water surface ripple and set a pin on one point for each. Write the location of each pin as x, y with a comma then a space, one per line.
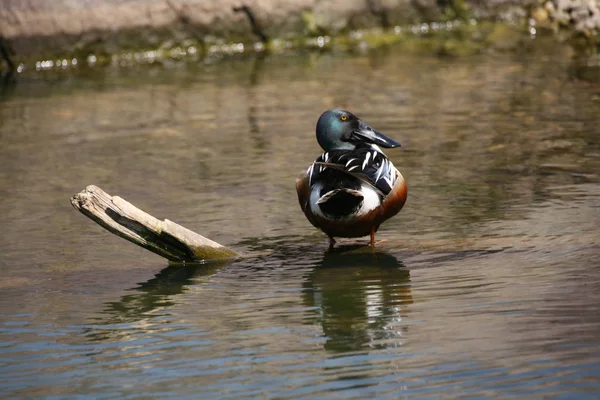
487, 284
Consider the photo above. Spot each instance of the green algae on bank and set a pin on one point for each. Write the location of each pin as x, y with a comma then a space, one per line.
449, 38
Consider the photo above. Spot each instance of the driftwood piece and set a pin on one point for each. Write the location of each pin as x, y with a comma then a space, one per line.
165, 238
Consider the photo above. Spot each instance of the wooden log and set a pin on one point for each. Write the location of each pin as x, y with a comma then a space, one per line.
165, 238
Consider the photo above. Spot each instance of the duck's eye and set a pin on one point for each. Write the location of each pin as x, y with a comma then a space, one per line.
344, 117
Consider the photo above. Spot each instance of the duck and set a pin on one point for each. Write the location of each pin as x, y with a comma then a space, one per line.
352, 188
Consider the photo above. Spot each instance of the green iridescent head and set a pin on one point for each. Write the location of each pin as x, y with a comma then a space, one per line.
342, 130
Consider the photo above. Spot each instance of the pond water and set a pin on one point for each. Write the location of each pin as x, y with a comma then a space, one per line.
487, 283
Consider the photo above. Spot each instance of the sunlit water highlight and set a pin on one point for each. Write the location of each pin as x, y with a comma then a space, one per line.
487, 285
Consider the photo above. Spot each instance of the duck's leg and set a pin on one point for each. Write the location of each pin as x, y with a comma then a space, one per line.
331, 242
372, 242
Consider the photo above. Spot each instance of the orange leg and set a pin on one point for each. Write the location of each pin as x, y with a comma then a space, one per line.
372, 242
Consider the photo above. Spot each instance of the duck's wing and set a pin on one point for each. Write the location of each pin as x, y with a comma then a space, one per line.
367, 164
303, 189
360, 176
396, 199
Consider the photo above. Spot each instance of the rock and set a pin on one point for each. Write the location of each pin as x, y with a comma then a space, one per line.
540, 15
42, 29
582, 16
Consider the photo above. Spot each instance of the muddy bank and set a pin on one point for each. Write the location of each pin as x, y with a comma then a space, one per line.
34, 30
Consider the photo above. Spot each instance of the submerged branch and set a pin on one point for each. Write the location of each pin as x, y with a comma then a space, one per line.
165, 238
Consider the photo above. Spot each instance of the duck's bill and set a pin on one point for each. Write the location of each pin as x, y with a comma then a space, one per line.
369, 135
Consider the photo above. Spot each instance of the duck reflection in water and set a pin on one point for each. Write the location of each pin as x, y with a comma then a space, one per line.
361, 298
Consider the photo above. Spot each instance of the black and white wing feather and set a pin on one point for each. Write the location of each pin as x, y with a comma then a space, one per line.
367, 162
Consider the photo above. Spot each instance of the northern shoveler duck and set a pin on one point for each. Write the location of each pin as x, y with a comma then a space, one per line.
352, 188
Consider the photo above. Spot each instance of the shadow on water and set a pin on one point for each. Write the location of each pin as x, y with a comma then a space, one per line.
361, 296
148, 297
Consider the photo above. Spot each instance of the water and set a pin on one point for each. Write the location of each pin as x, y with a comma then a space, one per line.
487, 284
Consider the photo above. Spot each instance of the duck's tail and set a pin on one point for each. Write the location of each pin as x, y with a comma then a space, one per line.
340, 202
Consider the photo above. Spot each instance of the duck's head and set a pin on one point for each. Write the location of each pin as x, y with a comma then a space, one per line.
342, 130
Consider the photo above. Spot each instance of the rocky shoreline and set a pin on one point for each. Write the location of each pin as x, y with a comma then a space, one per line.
44, 34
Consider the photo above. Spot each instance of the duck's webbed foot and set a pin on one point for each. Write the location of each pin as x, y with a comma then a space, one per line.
373, 242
